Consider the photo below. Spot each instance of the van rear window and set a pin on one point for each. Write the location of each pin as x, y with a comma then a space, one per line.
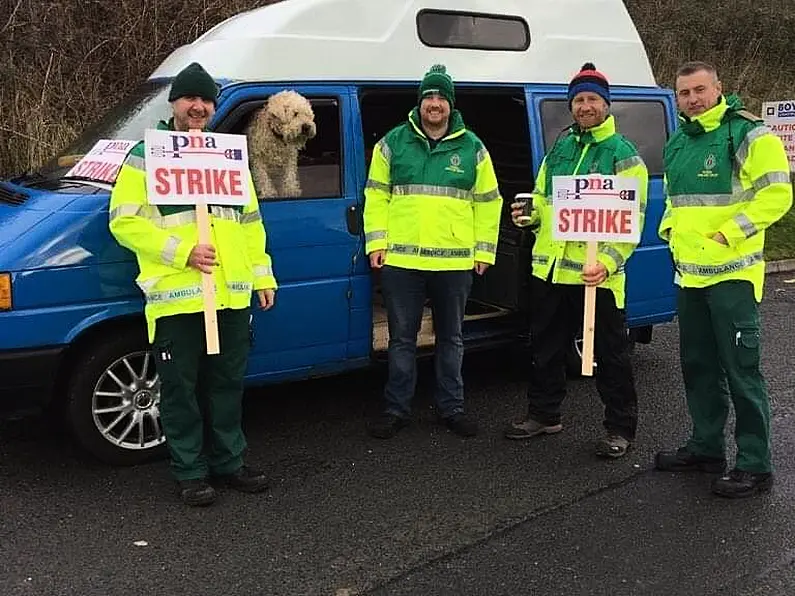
476, 31
641, 121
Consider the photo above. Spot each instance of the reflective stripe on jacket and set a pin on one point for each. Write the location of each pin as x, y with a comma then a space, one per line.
600, 150
432, 209
725, 172
162, 239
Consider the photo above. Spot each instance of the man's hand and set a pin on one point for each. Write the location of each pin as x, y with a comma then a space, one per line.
377, 258
517, 211
720, 239
202, 257
480, 268
593, 275
267, 298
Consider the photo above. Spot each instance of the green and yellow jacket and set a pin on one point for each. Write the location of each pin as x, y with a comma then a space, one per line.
162, 238
726, 172
432, 208
599, 150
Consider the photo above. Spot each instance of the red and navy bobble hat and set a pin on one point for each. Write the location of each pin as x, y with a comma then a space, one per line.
589, 79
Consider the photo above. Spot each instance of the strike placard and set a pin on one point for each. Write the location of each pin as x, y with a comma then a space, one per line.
596, 208
780, 118
191, 168
103, 162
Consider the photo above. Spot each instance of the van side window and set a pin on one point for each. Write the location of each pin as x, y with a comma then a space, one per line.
641, 121
475, 31
319, 162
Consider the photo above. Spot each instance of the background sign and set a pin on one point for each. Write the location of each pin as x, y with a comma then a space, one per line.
103, 162
780, 118
596, 208
190, 168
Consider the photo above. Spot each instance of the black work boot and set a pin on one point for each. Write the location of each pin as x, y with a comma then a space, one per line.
739, 484
387, 426
461, 424
683, 460
196, 493
245, 480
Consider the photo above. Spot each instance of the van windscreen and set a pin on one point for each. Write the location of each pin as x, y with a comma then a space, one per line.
141, 109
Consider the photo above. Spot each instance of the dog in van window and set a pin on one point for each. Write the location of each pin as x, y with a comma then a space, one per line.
276, 133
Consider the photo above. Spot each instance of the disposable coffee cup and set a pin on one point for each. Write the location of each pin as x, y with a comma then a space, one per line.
526, 199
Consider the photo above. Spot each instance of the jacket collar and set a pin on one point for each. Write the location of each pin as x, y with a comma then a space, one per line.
597, 134
726, 109
706, 122
455, 126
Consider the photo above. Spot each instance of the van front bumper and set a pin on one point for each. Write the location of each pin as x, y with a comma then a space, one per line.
27, 379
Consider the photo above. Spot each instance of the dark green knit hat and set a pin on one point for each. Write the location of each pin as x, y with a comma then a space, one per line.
436, 80
193, 81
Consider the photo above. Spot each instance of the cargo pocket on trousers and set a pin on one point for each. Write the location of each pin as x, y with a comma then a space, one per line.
747, 342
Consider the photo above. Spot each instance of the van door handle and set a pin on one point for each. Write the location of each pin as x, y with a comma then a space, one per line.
353, 220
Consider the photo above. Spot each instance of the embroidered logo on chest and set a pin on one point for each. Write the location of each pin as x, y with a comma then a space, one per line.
709, 166
455, 164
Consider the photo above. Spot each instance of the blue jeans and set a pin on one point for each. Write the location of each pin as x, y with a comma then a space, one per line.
405, 291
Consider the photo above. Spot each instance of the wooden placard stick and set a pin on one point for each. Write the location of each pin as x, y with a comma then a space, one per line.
589, 316
208, 287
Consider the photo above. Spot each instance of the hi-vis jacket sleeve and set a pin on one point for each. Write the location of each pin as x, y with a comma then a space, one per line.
488, 209
765, 169
666, 222
613, 255
131, 223
377, 194
539, 196
256, 241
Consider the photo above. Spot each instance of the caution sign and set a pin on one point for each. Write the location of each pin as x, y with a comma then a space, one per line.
780, 118
596, 208
191, 168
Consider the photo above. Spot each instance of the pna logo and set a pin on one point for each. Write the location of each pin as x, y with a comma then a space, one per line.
604, 187
192, 144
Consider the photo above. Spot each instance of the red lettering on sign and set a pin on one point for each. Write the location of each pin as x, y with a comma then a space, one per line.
589, 221
235, 184
611, 225
595, 221
219, 182
626, 221
161, 176
563, 223
195, 182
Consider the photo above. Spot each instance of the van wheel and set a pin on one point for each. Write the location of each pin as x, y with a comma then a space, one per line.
574, 355
113, 401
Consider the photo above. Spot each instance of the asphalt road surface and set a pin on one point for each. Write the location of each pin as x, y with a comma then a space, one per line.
426, 513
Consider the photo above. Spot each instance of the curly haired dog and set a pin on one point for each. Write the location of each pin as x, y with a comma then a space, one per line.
275, 134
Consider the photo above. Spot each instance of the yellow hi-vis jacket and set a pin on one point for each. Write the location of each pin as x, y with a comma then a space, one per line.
432, 209
162, 239
725, 172
600, 150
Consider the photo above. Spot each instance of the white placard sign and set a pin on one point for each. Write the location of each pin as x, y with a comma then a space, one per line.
596, 208
103, 162
780, 118
190, 168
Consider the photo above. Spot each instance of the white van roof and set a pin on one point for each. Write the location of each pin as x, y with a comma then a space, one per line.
377, 40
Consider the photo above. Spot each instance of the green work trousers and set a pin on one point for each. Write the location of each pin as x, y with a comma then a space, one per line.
201, 395
719, 335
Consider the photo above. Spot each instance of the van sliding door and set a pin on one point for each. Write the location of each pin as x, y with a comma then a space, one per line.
309, 239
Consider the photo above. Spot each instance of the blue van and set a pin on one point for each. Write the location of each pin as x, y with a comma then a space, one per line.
72, 333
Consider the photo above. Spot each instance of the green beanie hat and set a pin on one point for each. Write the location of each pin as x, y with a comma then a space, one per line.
436, 80
193, 81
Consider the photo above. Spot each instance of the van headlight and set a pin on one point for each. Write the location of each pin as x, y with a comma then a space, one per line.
5, 291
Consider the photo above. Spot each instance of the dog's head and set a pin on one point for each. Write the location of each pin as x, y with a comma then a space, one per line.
290, 117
